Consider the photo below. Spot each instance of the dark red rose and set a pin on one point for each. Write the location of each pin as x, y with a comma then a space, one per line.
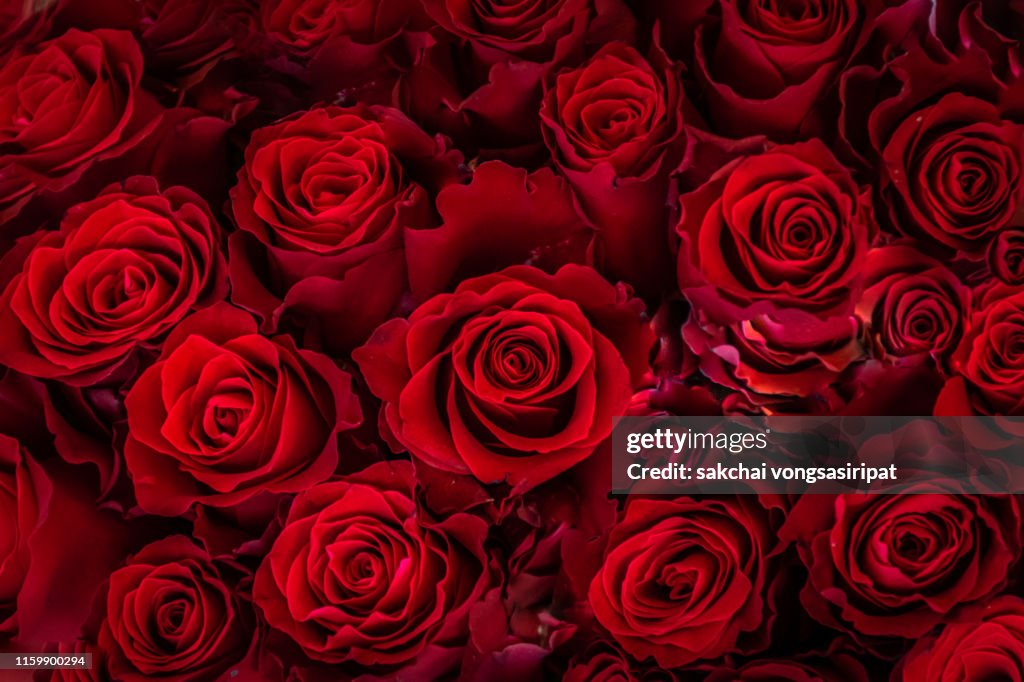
171, 613
1006, 256
226, 414
303, 26
504, 216
789, 227
912, 305
995, 26
186, 38
897, 565
984, 643
21, 23
122, 270
513, 377
954, 172
614, 127
990, 360
479, 80
322, 203
783, 361
603, 662
685, 580
766, 67
835, 667
24, 493
360, 575
65, 105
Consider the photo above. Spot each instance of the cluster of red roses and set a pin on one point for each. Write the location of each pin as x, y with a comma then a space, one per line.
316, 314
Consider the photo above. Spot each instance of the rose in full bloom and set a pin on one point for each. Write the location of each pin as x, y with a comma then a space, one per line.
614, 127
514, 376
322, 203
24, 493
684, 580
989, 362
171, 612
225, 414
64, 105
360, 575
897, 565
123, 269
984, 643
789, 227
912, 305
954, 173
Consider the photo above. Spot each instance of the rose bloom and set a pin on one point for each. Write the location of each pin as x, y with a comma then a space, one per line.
1006, 256
897, 565
302, 26
169, 613
614, 127
989, 362
514, 376
685, 580
225, 414
24, 493
984, 643
322, 202
186, 38
122, 270
359, 574
788, 226
953, 172
66, 104
912, 305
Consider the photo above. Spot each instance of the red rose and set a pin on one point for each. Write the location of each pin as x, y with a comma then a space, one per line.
685, 580
479, 80
912, 305
24, 493
769, 364
838, 667
766, 67
302, 26
603, 662
985, 643
513, 377
897, 565
789, 227
322, 203
359, 575
66, 104
1006, 256
615, 129
170, 613
186, 38
954, 173
122, 270
226, 414
990, 359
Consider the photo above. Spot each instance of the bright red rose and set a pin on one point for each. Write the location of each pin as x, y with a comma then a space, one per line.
226, 414
65, 105
954, 172
171, 612
514, 377
360, 575
614, 127
897, 565
24, 493
322, 203
789, 226
990, 360
984, 643
122, 270
685, 580
912, 305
